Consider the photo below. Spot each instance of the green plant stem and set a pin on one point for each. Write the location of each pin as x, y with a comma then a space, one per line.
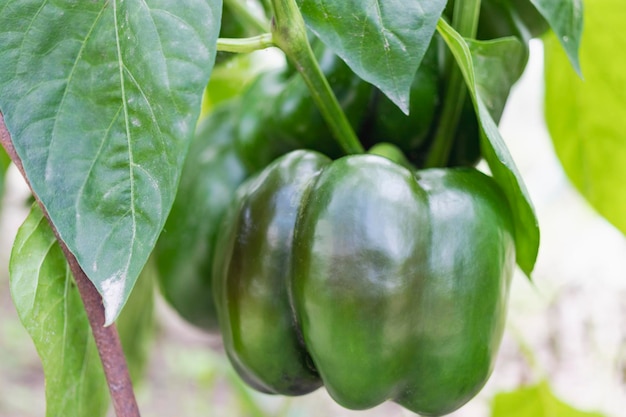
246, 16
245, 45
464, 21
290, 35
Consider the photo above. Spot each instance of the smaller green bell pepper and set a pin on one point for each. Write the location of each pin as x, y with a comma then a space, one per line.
212, 172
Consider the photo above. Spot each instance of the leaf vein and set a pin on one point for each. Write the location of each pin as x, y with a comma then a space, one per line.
70, 78
128, 137
81, 190
26, 31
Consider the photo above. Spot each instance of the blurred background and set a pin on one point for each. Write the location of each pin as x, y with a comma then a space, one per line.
566, 327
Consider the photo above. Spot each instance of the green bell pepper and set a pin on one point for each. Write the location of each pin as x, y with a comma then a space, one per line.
374, 280
251, 139
211, 174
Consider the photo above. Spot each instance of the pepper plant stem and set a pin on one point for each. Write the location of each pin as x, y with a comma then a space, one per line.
290, 35
245, 45
107, 338
465, 21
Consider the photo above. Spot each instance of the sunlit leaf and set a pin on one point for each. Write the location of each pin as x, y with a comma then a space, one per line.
587, 119
4, 164
535, 401
101, 100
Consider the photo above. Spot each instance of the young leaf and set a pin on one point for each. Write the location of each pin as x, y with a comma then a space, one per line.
51, 310
382, 41
535, 401
476, 68
586, 119
101, 99
498, 64
566, 19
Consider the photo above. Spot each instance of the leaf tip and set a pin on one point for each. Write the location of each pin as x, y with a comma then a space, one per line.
113, 297
401, 100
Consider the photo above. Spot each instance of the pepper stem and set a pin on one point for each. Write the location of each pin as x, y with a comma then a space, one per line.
289, 33
245, 45
465, 21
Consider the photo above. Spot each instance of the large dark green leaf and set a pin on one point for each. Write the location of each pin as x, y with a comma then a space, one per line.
566, 19
51, 310
535, 401
587, 119
382, 41
101, 99
480, 63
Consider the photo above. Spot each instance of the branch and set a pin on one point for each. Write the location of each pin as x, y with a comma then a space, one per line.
245, 45
107, 338
290, 34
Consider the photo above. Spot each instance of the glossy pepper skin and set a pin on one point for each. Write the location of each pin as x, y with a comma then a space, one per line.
376, 281
211, 174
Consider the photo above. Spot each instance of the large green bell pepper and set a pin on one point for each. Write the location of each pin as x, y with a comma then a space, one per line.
373, 280
211, 174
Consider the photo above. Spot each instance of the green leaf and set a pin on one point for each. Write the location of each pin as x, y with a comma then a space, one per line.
566, 19
498, 64
4, 160
382, 41
477, 71
101, 100
4, 164
229, 79
535, 401
51, 310
587, 119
